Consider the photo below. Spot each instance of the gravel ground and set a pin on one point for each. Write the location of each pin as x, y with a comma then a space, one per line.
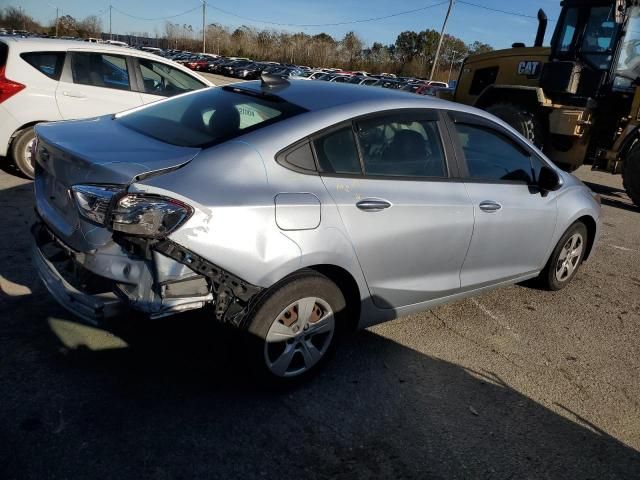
518, 383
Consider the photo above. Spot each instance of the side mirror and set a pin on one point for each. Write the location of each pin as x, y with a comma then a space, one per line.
548, 179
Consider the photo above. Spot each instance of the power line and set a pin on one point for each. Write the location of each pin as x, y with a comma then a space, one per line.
157, 18
349, 22
498, 10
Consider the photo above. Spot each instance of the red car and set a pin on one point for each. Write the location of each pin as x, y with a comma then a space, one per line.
199, 64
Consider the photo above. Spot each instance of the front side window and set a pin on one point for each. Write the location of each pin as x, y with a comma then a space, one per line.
401, 146
208, 117
48, 63
161, 79
599, 37
628, 66
100, 70
492, 156
337, 152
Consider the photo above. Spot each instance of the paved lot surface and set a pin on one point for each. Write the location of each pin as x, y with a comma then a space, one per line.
518, 383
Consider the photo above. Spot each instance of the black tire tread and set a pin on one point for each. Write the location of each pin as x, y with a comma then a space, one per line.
547, 276
631, 174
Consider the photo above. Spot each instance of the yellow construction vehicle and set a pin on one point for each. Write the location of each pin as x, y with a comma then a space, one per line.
579, 99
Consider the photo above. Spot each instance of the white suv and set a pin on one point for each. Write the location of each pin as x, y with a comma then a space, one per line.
44, 80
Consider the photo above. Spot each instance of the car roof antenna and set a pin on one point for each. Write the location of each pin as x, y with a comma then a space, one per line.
273, 81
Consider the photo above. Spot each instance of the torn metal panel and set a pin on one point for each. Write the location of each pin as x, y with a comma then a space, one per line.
233, 296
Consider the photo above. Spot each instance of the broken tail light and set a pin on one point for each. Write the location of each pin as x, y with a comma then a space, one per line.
94, 201
8, 88
149, 216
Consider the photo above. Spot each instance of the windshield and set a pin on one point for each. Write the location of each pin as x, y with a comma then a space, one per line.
208, 117
628, 66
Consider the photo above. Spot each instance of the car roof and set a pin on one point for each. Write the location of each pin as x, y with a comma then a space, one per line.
56, 44
320, 95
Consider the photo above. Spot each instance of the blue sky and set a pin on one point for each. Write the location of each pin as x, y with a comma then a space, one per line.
467, 22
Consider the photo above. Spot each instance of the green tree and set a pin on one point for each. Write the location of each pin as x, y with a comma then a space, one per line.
407, 45
67, 26
479, 47
352, 45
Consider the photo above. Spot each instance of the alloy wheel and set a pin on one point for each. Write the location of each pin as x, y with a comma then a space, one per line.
299, 337
569, 258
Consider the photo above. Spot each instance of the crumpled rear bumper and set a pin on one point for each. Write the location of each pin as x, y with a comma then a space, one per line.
94, 309
100, 285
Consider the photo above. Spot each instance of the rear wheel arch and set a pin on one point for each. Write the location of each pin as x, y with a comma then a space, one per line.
347, 285
25, 126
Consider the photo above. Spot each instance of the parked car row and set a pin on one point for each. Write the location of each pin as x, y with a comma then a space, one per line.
247, 69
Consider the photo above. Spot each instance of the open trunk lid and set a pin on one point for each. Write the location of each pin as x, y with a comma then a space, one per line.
93, 151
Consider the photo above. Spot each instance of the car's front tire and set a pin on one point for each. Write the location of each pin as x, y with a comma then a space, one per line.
566, 258
294, 328
21, 151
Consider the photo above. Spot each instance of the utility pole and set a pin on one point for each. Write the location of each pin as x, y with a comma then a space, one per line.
57, 16
451, 66
204, 32
110, 34
444, 26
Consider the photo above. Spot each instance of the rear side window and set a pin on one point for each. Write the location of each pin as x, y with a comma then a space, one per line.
491, 156
337, 152
161, 79
208, 117
401, 145
100, 70
48, 63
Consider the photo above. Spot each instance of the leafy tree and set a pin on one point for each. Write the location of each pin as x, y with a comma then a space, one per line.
352, 45
407, 46
91, 26
67, 26
479, 47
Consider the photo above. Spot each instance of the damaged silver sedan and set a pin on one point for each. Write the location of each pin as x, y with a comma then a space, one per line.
294, 209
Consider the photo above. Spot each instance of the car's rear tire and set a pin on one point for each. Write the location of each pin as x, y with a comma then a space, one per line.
21, 152
294, 328
566, 258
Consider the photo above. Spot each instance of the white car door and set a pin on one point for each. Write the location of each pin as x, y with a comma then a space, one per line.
161, 80
95, 83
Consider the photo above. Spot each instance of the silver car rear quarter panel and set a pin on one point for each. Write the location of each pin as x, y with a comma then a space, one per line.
234, 188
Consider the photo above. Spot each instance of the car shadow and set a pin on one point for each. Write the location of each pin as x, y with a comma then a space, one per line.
7, 166
613, 197
175, 404
169, 399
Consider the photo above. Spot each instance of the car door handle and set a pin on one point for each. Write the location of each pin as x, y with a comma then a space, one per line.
490, 206
73, 94
372, 205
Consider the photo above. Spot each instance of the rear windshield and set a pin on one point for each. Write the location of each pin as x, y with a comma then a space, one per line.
208, 117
